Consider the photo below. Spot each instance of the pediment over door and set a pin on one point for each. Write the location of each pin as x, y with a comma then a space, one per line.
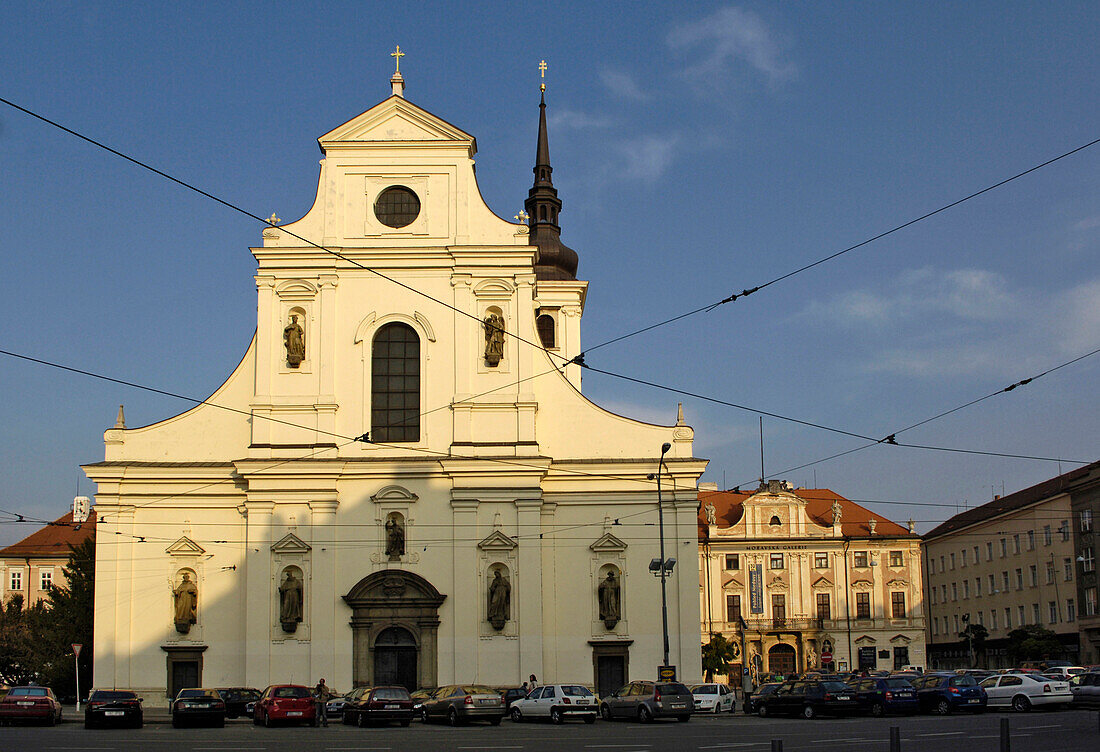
185, 547
822, 583
393, 588
497, 541
291, 544
865, 640
900, 640
608, 544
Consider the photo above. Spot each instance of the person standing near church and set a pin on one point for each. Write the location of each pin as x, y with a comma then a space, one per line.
322, 694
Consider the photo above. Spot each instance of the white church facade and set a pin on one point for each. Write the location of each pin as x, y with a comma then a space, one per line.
408, 485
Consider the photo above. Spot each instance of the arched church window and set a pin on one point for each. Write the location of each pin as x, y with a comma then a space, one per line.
774, 520
395, 384
545, 325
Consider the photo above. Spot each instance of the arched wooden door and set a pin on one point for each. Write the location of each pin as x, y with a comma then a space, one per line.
781, 659
395, 656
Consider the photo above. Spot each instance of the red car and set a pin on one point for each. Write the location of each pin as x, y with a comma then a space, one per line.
285, 702
30, 704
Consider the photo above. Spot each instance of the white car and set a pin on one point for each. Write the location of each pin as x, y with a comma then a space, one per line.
1023, 691
713, 698
556, 702
1065, 671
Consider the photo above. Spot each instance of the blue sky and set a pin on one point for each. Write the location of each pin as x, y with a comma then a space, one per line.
697, 151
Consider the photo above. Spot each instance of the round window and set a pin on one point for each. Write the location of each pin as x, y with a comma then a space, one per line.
397, 206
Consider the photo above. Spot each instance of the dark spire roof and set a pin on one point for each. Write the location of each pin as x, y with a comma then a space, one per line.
555, 260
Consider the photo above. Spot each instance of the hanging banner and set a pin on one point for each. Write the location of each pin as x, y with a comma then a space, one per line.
756, 589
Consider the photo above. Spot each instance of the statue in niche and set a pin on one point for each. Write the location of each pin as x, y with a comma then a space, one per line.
494, 338
735, 651
186, 599
608, 592
811, 657
294, 339
836, 512
290, 602
395, 537
500, 597
711, 513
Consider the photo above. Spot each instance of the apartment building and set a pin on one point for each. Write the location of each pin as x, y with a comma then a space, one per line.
29, 567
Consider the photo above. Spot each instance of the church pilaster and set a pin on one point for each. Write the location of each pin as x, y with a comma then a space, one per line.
466, 606
257, 658
529, 514
325, 598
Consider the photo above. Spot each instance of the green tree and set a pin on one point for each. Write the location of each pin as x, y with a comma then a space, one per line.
1033, 643
20, 659
67, 620
717, 656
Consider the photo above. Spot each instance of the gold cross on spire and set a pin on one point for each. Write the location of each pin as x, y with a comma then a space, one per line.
273, 219
397, 54
542, 75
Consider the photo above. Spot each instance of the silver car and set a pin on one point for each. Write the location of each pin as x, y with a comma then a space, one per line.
459, 704
556, 702
646, 700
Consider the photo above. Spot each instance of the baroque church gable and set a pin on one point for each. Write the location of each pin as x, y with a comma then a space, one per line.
395, 119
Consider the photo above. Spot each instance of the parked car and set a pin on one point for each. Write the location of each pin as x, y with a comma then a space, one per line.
285, 702
1022, 691
30, 704
380, 705
337, 706
419, 697
879, 696
511, 694
945, 693
237, 700
1065, 671
809, 699
462, 703
107, 707
198, 706
713, 698
556, 702
1086, 689
646, 700
752, 699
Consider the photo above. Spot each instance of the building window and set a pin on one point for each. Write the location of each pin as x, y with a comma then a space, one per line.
779, 608
395, 384
989, 551
545, 326
943, 589
1085, 517
1021, 614
775, 561
931, 565
935, 625
16, 581
821, 560
863, 605
860, 558
1004, 581
45, 579
897, 559
1053, 608
933, 596
897, 605
1067, 565
1033, 574
1090, 601
943, 565
1087, 562
976, 558
1064, 530
966, 588
1050, 572
1048, 536
1071, 611
952, 560
824, 607
957, 630
992, 618
981, 618
1030, 540
1019, 579
1035, 613
1015, 543
1008, 618
954, 591
964, 557
775, 521
978, 586
397, 207
1004, 547
733, 609
733, 561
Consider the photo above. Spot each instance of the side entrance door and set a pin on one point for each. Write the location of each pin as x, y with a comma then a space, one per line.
185, 675
610, 674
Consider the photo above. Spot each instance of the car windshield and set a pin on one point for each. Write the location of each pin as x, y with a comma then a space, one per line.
391, 693
106, 694
477, 689
704, 689
27, 692
291, 692
835, 686
204, 693
575, 690
898, 684
673, 688
962, 681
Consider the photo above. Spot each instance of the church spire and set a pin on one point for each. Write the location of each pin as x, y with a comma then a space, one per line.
555, 260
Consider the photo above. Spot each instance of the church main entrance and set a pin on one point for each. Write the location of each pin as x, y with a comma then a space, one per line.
395, 626
395, 658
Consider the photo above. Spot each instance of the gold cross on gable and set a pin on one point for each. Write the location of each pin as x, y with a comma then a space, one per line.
542, 75
397, 54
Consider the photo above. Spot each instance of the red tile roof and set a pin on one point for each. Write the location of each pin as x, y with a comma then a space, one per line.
54, 539
729, 507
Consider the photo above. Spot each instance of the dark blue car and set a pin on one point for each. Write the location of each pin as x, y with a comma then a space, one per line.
945, 693
880, 695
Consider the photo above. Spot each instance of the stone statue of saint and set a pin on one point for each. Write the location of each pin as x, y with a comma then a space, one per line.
290, 602
735, 651
836, 512
186, 598
500, 597
608, 593
294, 339
711, 513
494, 338
395, 538
811, 658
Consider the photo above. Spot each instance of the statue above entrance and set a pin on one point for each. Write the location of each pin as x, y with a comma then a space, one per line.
395, 537
608, 592
185, 598
500, 598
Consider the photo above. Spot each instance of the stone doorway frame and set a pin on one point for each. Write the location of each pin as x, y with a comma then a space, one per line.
181, 654
394, 598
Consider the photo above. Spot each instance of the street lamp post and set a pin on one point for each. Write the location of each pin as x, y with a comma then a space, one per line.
663, 567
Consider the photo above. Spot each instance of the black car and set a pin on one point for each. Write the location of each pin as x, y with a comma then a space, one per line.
878, 695
198, 706
237, 700
752, 699
511, 694
380, 705
113, 707
809, 699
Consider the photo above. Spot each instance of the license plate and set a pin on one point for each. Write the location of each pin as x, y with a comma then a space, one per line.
201, 705
293, 712
975, 701
487, 702
114, 712
679, 706
582, 702
843, 697
393, 707
30, 703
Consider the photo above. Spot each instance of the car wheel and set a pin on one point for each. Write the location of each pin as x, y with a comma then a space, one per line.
878, 710
809, 713
590, 719
683, 718
555, 716
644, 714
360, 721
717, 708
255, 717
1021, 704
220, 723
140, 722
405, 724
517, 715
943, 707
175, 722
762, 710
605, 712
495, 721
267, 719
452, 718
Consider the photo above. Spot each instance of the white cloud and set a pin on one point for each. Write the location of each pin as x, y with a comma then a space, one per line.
622, 85
565, 120
647, 157
732, 34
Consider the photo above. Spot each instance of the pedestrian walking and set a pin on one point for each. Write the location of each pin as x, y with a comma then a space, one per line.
321, 695
532, 682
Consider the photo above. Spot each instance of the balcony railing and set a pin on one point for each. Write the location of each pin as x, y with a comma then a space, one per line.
800, 622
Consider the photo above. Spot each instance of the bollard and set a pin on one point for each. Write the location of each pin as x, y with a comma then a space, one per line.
777, 745
895, 739
1006, 745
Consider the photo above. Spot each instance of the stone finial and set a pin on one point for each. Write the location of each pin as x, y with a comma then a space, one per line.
120, 422
912, 526
398, 85
871, 524
679, 413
